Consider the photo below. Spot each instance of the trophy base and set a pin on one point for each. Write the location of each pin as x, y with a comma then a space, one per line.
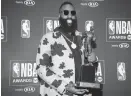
88, 85
93, 88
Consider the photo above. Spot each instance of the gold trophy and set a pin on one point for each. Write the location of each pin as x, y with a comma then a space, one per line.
88, 69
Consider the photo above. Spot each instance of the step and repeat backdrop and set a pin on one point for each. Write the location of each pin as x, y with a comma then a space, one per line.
24, 22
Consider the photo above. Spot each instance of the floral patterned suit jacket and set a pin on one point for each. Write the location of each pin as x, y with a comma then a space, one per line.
55, 64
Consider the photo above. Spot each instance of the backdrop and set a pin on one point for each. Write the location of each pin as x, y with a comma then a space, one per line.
24, 22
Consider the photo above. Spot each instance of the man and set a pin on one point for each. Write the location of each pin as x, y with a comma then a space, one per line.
59, 57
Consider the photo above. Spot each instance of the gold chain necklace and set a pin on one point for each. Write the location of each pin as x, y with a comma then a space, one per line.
73, 45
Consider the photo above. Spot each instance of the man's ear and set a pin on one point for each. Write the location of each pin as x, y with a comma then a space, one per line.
59, 16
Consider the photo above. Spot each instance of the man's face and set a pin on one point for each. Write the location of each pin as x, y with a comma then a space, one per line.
68, 17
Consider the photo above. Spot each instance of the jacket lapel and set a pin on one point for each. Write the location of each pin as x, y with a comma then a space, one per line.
63, 41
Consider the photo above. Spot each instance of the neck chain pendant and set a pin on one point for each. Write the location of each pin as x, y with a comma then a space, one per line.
73, 46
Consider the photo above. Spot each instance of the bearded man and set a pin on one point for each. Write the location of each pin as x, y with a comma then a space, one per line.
59, 57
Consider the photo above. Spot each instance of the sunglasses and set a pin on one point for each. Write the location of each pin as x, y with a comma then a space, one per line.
66, 12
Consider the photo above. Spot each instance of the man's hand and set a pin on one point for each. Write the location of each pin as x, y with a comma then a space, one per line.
92, 57
71, 88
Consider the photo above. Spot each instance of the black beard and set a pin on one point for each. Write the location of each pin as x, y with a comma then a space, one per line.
66, 27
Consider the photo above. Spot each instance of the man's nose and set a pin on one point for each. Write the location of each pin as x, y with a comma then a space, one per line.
69, 15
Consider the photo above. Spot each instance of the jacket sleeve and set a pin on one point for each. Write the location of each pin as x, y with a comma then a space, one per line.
44, 64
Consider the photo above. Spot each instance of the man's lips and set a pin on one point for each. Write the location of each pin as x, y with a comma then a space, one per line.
69, 21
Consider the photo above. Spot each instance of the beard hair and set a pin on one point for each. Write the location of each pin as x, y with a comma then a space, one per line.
66, 27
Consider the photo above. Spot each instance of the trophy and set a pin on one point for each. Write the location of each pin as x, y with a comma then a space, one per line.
88, 69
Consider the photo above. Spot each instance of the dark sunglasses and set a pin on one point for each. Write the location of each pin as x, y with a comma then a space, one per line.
66, 12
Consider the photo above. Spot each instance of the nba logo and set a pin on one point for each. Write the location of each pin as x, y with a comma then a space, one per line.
89, 26
16, 70
25, 29
3, 28
121, 73
111, 27
49, 26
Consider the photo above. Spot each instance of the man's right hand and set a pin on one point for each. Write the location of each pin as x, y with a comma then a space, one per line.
71, 88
